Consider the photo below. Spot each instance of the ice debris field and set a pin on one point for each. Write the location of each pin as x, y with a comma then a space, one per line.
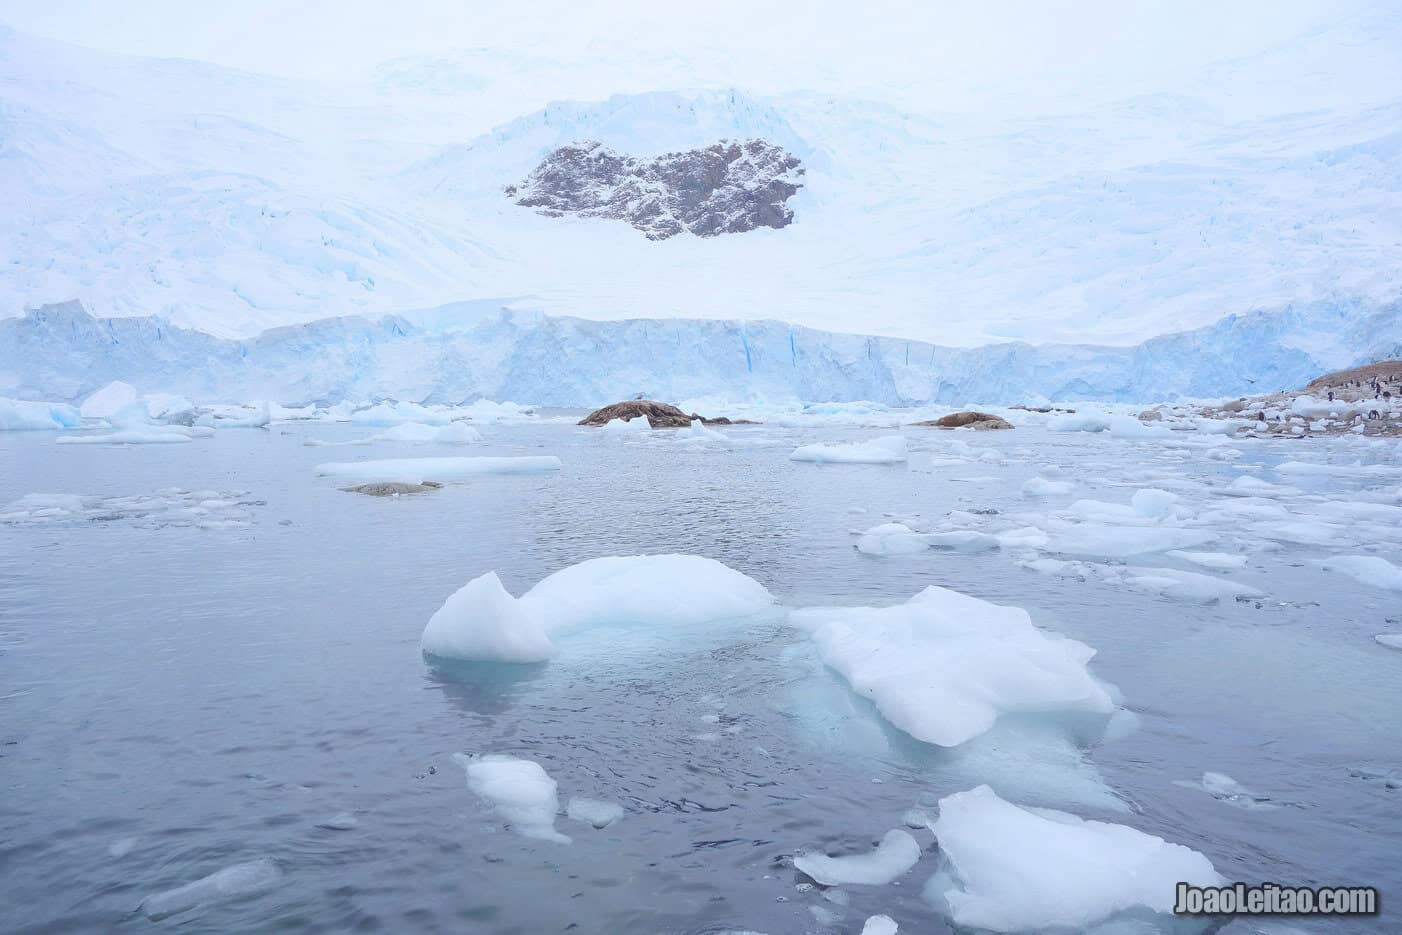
838, 671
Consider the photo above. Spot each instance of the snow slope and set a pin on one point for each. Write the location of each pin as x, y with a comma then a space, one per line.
483, 350
231, 203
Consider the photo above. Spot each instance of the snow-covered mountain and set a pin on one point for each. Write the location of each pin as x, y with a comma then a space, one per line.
231, 203
476, 350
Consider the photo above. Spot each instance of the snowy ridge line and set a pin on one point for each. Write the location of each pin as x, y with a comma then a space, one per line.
477, 349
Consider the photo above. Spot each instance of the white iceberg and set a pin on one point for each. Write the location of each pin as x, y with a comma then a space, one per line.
109, 400
944, 666
23, 414
520, 791
879, 925
893, 857
418, 470
483, 622
594, 812
1012, 869
1105, 541
887, 450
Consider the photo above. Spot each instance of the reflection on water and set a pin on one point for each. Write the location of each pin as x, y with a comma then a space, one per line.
179, 700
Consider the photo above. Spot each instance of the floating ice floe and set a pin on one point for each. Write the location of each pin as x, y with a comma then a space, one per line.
887, 450
1167, 582
418, 470
520, 791
1248, 486
1357, 471
454, 433
1225, 789
1012, 869
891, 859
900, 539
880, 925
594, 812
1043, 487
241, 878
1222, 561
23, 414
1366, 569
1390, 640
173, 506
483, 622
393, 413
1100, 540
154, 435
944, 666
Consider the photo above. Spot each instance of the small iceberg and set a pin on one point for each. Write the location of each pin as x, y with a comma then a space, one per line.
888, 450
520, 791
893, 857
1012, 869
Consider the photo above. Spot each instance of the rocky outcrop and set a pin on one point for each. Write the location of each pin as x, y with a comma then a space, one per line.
658, 415
1363, 400
726, 188
979, 421
391, 488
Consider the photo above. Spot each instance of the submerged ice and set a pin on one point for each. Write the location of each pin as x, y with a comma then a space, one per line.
892, 858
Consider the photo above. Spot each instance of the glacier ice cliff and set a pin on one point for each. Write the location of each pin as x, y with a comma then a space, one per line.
474, 350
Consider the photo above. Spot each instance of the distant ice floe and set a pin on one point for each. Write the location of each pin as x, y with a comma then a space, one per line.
1005, 868
594, 812
172, 506
1044, 487
1221, 561
1167, 582
887, 450
483, 622
416, 433
892, 858
249, 877
418, 470
520, 791
1225, 789
900, 539
155, 435
1371, 570
944, 666
23, 414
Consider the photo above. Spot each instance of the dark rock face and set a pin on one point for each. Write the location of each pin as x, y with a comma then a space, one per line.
726, 188
658, 415
391, 488
981, 421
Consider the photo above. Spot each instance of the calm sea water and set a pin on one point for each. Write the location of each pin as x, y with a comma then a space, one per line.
176, 700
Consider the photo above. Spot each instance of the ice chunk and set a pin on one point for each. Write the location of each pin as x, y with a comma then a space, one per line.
393, 413
879, 925
454, 433
1041, 487
886, 450
418, 470
167, 435
1222, 561
893, 857
520, 791
231, 881
1080, 422
943, 666
1185, 585
891, 539
341, 821
595, 812
1153, 502
1390, 640
1248, 486
1105, 541
483, 622
107, 401
1011, 869
18, 414
1367, 569
1224, 788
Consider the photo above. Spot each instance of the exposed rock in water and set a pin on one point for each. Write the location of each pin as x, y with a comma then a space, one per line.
391, 488
979, 421
658, 415
1363, 400
726, 188
1041, 409
1150, 415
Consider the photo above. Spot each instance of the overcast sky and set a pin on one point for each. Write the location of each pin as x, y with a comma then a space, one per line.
1037, 53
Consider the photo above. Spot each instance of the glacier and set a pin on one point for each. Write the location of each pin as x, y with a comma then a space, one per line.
501, 349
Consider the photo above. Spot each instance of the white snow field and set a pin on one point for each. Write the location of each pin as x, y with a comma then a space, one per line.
418, 470
519, 790
889, 449
944, 666
483, 622
1012, 869
891, 859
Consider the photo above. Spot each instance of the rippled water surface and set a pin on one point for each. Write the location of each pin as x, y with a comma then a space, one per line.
175, 700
